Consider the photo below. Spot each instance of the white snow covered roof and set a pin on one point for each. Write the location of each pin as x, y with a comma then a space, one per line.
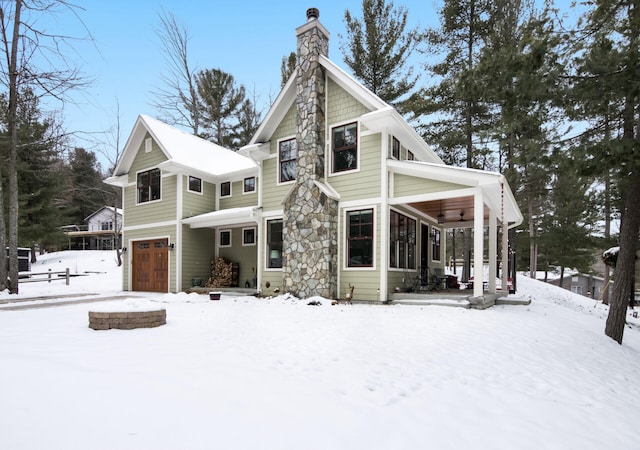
185, 153
232, 216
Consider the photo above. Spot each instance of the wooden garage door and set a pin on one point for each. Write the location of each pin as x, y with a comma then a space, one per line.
151, 265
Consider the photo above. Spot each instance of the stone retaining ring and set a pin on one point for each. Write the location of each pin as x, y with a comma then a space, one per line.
127, 320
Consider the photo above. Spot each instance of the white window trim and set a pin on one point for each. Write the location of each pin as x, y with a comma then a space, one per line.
253, 244
148, 145
226, 230
230, 189
417, 248
255, 186
330, 152
266, 244
277, 155
431, 244
189, 186
393, 138
135, 184
345, 238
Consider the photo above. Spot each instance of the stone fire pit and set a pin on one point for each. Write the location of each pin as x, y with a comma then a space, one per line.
127, 317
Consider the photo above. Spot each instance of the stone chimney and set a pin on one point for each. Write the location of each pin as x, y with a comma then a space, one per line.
310, 215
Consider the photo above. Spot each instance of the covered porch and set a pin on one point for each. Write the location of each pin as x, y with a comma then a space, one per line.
462, 198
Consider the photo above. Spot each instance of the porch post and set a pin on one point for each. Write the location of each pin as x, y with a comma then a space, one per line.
478, 243
504, 229
493, 250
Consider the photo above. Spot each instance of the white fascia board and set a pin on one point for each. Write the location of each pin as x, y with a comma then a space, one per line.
257, 152
119, 181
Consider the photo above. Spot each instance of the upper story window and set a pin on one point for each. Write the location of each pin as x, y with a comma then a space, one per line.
360, 238
249, 185
106, 226
195, 184
410, 156
148, 186
395, 148
288, 157
345, 147
225, 189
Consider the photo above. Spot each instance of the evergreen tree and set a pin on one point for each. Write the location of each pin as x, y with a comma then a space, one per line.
287, 68
221, 100
607, 94
378, 47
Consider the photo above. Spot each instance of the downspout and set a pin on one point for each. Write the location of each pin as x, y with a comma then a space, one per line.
178, 244
259, 240
384, 221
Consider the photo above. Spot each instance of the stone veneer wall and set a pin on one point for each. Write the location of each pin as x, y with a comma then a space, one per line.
310, 217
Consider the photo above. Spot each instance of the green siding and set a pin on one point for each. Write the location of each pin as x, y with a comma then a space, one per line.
238, 199
198, 249
341, 105
145, 161
365, 183
151, 212
244, 255
404, 185
194, 203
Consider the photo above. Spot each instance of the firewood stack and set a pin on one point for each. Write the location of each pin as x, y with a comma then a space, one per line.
223, 274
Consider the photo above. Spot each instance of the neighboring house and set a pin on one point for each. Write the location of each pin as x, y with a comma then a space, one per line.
102, 230
334, 190
583, 284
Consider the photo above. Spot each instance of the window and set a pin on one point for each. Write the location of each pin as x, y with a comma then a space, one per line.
288, 155
149, 186
410, 156
435, 245
360, 238
106, 226
274, 243
248, 236
225, 189
195, 184
225, 238
249, 185
147, 145
402, 241
395, 148
345, 147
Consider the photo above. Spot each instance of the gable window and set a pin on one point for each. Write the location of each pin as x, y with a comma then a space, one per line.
248, 236
195, 184
288, 155
274, 244
345, 147
225, 189
410, 156
395, 148
435, 245
225, 238
249, 185
148, 186
360, 238
402, 239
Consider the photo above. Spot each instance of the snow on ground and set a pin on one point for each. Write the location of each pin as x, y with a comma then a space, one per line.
278, 374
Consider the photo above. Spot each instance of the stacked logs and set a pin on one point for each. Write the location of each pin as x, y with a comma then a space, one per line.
223, 274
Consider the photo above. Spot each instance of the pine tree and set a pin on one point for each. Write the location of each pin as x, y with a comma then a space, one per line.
287, 68
378, 47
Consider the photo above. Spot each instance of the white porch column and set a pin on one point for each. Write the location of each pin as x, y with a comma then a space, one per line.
493, 250
505, 256
478, 243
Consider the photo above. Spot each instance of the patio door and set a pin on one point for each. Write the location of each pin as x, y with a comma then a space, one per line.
424, 253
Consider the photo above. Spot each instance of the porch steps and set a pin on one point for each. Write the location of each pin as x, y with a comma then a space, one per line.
457, 300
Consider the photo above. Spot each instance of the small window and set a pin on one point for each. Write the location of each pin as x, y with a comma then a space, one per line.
435, 247
249, 185
225, 189
288, 156
395, 148
274, 244
345, 147
360, 238
148, 186
225, 238
410, 156
147, 145
195, 184
248, 236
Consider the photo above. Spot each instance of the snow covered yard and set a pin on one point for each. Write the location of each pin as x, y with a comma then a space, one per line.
278, 374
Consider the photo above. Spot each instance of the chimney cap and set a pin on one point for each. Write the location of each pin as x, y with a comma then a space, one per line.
312, 14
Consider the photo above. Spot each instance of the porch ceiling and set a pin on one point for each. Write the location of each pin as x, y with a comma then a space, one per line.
450, 208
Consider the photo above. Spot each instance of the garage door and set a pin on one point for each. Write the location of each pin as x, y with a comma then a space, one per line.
150, 265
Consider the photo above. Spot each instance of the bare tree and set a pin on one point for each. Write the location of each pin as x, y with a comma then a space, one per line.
32, 58
178, 96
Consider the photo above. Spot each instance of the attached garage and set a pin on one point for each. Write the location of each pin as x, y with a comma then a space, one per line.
150, 265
